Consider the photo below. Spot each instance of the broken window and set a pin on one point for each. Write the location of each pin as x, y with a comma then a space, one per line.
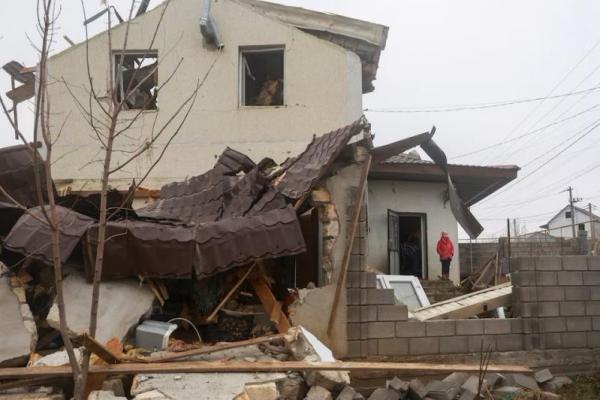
137, 79
261, 76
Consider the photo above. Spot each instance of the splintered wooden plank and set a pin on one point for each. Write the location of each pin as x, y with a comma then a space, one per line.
229, 366
270, 303
467, 305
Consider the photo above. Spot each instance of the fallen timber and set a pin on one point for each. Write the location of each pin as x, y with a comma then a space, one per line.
244, 366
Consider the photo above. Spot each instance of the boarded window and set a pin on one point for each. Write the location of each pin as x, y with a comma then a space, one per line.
137, 80
261, 76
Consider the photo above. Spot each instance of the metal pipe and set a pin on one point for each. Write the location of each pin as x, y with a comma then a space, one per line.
208, 28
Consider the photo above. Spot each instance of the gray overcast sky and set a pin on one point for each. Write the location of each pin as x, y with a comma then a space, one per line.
446, 53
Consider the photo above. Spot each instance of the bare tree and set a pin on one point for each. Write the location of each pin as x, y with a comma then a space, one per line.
103, 114
43, 185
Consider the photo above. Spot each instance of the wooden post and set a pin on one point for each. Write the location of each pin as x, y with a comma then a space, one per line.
270, 303
508, 241
341, 282
230, 293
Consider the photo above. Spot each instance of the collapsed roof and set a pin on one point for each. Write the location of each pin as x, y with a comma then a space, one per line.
232, 215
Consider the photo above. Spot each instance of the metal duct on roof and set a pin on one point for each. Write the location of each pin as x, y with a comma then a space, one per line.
208, 28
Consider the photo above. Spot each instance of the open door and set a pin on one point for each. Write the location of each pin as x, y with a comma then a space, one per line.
407, 244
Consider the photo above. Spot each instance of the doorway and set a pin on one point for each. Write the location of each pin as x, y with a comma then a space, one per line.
407, 244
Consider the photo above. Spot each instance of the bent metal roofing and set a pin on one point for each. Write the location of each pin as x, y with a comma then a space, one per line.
205, 225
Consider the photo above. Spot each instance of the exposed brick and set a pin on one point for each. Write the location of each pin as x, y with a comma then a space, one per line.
570, 278
572, 308
368, 313
548, 263
579, 324
516, 325
593, 339
544, 278
353, 296
509, 342
592, 308
496, 326
380, 296
353, 331
591, 278
573, 339
551, 341
410, 329
550, 293
372, 347
489, 341
368, 280
554, 324
594, 263
469, 327
420, 346
522, 264
396, 312
524, 278
526, 293
353, 314
380, 330
393, 347
353, 349
440, 328
575, 263
535, 341
454, 344
549, 309
577, 293
353, 280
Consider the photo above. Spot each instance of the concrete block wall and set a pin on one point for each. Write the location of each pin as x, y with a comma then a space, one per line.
558, 301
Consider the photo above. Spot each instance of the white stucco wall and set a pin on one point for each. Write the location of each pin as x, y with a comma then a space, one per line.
561, 226
410, 197
322, 85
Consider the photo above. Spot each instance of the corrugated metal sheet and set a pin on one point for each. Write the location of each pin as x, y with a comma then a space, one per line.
9, 215
32, 237
237, 241
152, 249
17, 176
305, 170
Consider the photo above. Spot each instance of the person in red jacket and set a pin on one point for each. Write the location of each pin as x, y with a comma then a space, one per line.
445, 249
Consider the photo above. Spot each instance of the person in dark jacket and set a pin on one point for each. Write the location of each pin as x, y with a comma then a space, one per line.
445, 249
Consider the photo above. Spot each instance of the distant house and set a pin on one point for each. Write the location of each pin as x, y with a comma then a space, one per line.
561, 224
408, 202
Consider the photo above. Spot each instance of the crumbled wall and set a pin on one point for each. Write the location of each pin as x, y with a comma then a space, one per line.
556, 301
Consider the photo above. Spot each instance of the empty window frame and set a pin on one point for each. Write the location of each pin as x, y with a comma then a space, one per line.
137, 79
261, 76
567, 214
581, 227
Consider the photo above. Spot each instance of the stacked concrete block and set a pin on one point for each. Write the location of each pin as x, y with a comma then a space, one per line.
557, 301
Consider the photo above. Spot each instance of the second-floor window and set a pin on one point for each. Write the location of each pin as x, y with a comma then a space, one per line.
261, 76
136, 79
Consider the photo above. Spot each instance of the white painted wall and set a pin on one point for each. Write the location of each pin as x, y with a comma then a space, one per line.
323, 91
412, 197
560, 225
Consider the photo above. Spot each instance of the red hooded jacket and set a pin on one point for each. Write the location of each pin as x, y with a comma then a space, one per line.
445, 248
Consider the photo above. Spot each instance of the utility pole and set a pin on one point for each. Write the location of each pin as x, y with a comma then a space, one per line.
570, 190
515, 230
592, 223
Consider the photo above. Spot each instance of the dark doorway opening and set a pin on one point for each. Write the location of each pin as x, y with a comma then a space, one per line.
308, 264
407, 244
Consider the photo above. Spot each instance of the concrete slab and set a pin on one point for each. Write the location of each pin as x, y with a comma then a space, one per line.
122, 304
17, 330
57, 359
198, 386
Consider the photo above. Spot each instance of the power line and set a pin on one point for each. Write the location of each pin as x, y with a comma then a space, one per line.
525, 134
590, 130
481, 106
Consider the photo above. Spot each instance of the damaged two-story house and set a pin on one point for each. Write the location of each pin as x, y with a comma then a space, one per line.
273, 76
